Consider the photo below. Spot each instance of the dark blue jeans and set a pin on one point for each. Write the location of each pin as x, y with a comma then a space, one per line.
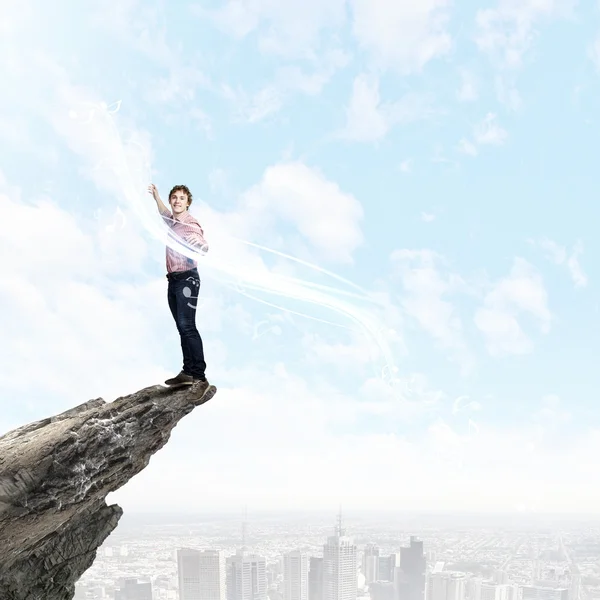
183, 292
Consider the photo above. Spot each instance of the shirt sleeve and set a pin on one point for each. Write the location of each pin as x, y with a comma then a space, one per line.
167, 216
194, 234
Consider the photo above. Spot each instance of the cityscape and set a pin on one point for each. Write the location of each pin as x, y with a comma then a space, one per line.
306, 558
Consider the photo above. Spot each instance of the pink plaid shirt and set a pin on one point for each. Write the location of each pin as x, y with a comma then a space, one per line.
187, 229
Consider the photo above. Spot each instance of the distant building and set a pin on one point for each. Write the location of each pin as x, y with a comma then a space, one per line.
382, 590
532, 592
246, 577
295, 576
474, 588
409, 578
315, 578
387, 564
340, 574
370, 563
130, 588
447, 585
498, 591
201, 574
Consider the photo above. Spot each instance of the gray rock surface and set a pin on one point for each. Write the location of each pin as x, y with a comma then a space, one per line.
55, 475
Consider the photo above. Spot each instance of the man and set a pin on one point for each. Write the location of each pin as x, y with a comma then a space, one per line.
184, 283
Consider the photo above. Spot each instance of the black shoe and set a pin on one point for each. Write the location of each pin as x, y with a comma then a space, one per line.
181, 379
201, 384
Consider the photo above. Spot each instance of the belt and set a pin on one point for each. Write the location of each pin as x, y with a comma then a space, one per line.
176, 275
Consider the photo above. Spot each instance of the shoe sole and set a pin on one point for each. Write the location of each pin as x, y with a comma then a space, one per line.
210, 391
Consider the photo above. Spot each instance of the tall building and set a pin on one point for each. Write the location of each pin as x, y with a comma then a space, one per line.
246, 577
340, 575
382, 590
496, 591
575, 587
130, 588
532, 592
295, 576
387, 564
370, 563
315, 578
410, 585
447, 585
474, 588
201, 574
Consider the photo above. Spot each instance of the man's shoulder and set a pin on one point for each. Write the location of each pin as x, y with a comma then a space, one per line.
190, 219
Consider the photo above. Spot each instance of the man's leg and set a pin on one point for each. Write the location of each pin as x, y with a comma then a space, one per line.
186, 297
172, 297
172, 294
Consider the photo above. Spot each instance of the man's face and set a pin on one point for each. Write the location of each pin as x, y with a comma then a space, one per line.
179, 202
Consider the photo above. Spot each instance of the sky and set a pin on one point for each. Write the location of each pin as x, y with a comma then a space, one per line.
399, 305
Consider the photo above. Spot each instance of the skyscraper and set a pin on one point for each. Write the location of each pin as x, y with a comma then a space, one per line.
370, 563
447, 585
411, 585
387, 564
340, 576
246, 577
533, 592
496, 591
130, 588
201, 574
295, 576
315, 578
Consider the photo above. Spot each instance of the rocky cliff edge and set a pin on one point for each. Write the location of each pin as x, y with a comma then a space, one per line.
55, 475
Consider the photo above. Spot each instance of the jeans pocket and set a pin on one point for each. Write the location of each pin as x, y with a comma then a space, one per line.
191, 290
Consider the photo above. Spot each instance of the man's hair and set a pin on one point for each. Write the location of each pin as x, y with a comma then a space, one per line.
182, 188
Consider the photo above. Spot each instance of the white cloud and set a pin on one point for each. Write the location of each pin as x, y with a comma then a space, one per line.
343, 356
424, 289
427, 217
508, 31
253, 107
305, 198
559, 255
401, 34
520, 292
488, 132
141, 26
448, 465
368, 119
285, 28
506, 34
63, 307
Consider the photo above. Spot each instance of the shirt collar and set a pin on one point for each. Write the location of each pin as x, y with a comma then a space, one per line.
185, 217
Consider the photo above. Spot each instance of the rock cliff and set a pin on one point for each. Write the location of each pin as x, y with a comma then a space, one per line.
55, 475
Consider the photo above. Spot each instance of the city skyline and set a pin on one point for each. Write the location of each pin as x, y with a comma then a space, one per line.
434, 564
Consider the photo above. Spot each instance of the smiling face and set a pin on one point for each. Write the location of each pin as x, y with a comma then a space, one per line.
179, 201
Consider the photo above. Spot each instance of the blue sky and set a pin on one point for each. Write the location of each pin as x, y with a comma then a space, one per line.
439, 156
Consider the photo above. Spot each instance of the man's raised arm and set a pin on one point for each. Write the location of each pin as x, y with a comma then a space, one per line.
162, 209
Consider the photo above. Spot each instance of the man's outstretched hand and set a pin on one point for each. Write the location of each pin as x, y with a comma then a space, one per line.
152, 190
159, 203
